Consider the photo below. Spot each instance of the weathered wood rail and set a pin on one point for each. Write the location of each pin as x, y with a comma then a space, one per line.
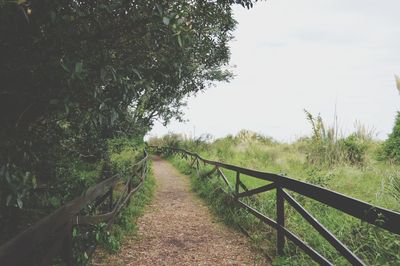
51, 236
380, 217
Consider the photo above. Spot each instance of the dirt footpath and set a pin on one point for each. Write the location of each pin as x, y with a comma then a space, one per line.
178, 229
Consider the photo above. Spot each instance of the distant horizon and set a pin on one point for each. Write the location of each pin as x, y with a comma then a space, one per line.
191, 136
288, 56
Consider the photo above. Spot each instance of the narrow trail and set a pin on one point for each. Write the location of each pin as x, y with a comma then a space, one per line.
178, 229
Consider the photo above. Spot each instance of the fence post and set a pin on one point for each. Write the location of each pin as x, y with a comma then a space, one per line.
144, 171
68, 245
280, 219
237, 184
111, 198
129, 189
193, 162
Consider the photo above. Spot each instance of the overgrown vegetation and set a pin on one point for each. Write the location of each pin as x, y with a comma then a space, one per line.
123, 155
125, 226
391, 149
326, 146
392, 144
351, 165
81, 79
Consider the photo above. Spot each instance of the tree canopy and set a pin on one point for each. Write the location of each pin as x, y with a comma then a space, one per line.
76, 73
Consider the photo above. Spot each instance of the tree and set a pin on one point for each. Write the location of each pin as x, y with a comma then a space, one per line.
76, 73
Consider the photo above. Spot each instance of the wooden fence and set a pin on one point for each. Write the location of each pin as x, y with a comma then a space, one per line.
380, 217
51, 236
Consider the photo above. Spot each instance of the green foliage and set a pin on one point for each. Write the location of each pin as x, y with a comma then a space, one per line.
76, 74
327, 147
375, 182
319, 177
169, 140
110, 239
392, 144
126, 223
216, 195
394, 187
116, 145
354, 149
92, 70
125, 154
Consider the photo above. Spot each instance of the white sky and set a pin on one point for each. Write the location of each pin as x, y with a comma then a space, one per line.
304, 54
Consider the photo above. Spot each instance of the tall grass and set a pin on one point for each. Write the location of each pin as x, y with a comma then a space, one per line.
328, 146
347, 164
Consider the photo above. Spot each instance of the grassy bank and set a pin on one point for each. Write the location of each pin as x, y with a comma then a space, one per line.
212, 191
123, 155
351, 166
126, 224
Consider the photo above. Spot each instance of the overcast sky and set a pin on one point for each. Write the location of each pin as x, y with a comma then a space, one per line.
304, 54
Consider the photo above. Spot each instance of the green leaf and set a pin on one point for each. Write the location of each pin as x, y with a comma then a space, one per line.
78, 67
136, 72
34, 182
166, 20
55, 202
114, 116
19, 203
8, 177
8, 200
64, 67
66, 108
26, 177
180, 41
114, 73
159, 8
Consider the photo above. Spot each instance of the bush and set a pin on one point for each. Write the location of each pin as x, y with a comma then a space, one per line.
354, 149
122, 161
326, 147
123, 154
392, 144
169, 140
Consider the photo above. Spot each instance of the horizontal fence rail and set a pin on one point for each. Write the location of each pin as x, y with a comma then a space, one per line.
380, 217
52, 236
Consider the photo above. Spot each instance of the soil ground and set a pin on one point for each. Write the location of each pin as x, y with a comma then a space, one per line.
178, 229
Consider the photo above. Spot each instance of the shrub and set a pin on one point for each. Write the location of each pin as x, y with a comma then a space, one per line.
250, 136
392, 144
326, 147
323, 146
169, 140
122, 162
353, 149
